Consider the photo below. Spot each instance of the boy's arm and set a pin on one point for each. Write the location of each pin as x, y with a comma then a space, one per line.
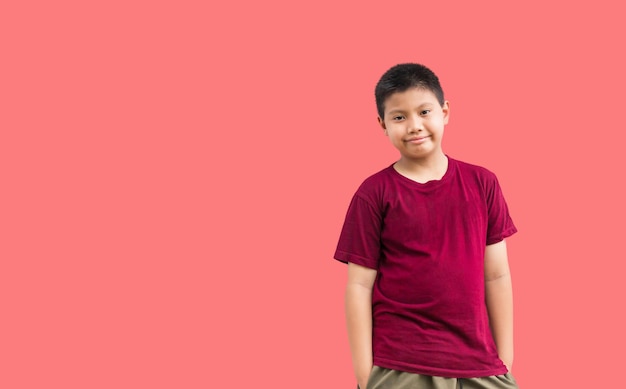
499, 300
358, 300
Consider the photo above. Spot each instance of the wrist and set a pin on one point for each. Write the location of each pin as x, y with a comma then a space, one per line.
362, 378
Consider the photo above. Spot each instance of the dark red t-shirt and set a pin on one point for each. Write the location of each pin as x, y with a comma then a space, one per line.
427, 242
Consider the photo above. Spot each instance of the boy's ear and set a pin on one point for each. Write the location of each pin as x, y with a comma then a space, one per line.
381, 122
446, 111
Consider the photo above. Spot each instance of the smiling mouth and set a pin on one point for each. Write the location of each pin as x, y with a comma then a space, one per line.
417, 140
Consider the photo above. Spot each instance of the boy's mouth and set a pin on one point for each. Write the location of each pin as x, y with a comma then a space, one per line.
417, 139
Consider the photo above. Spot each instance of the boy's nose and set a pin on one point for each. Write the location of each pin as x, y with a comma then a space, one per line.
415, 125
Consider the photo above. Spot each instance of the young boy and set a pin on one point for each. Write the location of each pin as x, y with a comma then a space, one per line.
428, 297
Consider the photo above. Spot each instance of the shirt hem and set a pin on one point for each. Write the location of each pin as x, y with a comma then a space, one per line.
346, 257
502, 236
438, 372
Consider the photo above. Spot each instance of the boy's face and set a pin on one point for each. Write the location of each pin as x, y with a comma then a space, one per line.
414, 123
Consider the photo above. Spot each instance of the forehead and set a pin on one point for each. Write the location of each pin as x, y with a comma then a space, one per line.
410, 98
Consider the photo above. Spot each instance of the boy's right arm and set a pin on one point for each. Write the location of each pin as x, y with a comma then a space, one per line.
358, 301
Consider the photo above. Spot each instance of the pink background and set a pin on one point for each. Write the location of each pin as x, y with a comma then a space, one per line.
175, 175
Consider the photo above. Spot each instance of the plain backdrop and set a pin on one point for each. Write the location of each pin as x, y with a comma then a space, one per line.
175, 174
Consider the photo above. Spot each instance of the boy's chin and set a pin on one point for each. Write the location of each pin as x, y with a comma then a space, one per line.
423, 155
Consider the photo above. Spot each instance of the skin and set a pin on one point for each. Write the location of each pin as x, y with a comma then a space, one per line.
358, 304
414, 122
499, 300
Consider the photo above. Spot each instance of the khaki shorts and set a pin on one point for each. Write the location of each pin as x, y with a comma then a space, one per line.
382, 378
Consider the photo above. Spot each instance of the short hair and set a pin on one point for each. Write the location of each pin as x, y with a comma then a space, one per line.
404, 76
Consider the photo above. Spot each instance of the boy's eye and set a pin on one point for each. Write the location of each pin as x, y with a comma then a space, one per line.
425, 112
398, 117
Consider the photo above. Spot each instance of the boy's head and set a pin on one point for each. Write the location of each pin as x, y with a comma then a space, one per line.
403, 77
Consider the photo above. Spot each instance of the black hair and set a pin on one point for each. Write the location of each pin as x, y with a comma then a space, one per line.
404, 76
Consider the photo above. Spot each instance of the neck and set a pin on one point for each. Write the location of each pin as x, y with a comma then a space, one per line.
423, 170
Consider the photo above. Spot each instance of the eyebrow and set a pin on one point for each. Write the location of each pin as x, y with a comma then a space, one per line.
418, 107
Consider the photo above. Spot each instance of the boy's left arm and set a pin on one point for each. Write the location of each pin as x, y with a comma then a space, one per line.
499, 300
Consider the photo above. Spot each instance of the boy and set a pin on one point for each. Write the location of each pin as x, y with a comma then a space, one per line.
428, 297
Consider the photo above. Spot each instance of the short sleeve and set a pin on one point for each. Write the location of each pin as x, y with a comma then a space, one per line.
500, 225
359, 241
